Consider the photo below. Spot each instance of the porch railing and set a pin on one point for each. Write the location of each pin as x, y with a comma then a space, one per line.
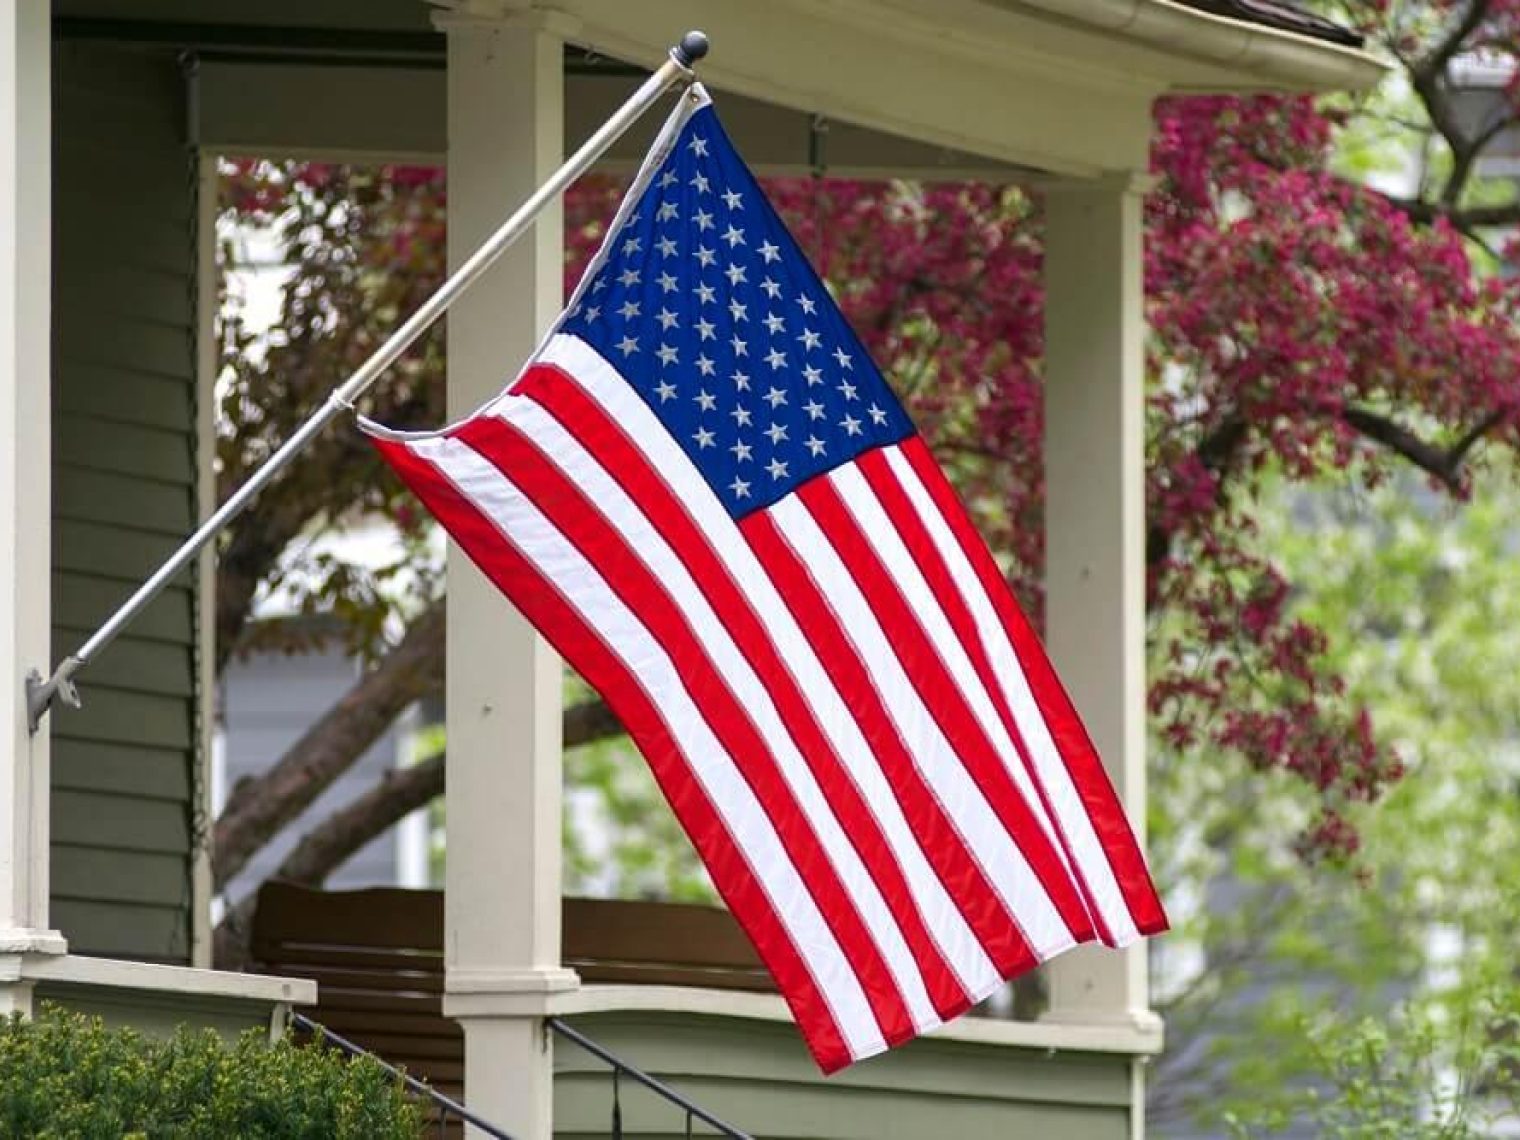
448, 1110
621, 1068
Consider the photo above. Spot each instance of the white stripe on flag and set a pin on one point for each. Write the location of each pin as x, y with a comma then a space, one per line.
861, 500
1007, 869
584, 588
1071, 814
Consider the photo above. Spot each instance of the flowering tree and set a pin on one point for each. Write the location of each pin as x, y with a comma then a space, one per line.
1301, 323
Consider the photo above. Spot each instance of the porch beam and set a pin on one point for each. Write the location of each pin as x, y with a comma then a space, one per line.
1095, 525
25, 474
397, 113
502, 884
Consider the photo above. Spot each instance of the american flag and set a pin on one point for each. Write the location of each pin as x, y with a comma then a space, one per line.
704, 495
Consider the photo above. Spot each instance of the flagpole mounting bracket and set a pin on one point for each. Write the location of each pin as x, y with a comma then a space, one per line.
40, 693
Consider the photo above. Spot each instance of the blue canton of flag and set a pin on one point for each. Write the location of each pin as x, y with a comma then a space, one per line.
706, 305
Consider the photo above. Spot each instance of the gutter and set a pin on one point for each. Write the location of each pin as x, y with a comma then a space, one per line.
1260, 57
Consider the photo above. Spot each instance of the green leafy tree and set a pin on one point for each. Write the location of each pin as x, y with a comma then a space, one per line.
1376, 998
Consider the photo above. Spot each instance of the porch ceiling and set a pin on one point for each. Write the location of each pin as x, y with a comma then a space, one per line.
960, 87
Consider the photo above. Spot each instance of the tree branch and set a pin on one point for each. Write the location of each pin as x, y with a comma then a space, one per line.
329, 845
1402, 441
1448, 46
589, 721
1443, 464
1466, 220
259, 806
1475, 433
1467, 159
1428, 78
1218, 449
401, 791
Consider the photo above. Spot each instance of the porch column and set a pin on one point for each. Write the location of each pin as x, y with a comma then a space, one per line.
502, 885
25, 458
1095, 525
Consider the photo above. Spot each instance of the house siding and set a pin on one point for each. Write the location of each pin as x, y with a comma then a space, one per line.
755, 1076
124, 494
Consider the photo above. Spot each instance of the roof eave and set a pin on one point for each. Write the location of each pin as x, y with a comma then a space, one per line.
1227, 54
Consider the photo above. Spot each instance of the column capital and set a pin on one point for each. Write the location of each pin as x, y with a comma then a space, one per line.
506, 993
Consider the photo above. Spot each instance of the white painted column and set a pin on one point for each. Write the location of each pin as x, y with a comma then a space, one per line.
502, 887
25, 475
1095, 525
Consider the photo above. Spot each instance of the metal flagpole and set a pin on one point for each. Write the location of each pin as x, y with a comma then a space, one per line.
40, 693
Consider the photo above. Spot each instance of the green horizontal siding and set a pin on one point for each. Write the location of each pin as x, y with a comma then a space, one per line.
77, 609
155, 348
159, 1013
119, 395
93, 495
758, 1077
121, 822
160, 454
125, 930
141, 877
124, 494
123, 769
119, 550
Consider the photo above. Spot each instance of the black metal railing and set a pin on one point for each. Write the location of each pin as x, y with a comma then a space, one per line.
621, 1069
447, 1108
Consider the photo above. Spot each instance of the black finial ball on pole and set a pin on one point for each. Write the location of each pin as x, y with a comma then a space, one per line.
693, 46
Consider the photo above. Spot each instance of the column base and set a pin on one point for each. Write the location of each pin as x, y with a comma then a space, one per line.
508, 1054
16, 998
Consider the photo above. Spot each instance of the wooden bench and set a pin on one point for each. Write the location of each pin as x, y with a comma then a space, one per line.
377, 958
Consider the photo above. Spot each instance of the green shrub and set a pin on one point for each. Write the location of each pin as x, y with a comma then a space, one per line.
65, 1076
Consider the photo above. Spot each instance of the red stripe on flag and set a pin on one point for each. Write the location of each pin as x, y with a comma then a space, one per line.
576, 517
564, 628
1066, 728
878, 473
946, 702
584, 419
947, 851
